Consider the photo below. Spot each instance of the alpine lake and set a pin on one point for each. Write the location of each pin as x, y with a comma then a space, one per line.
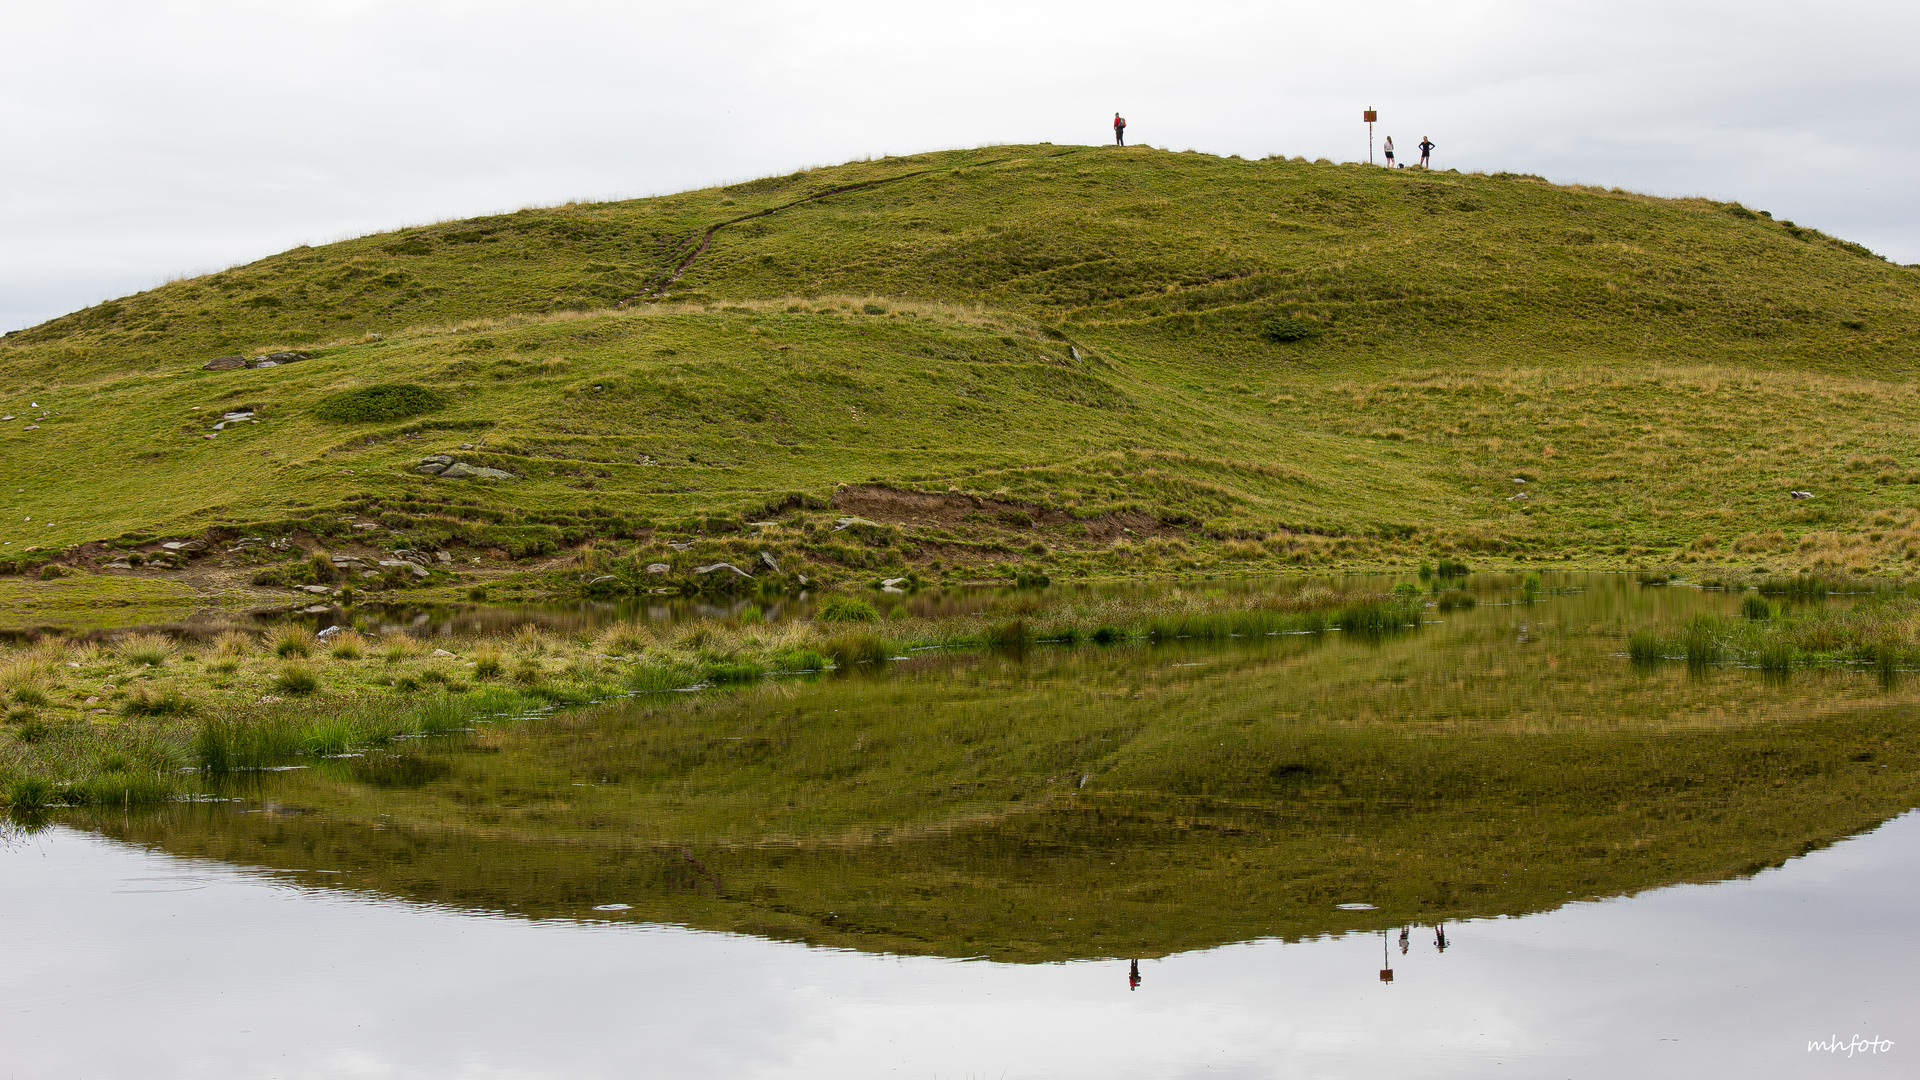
1491, 844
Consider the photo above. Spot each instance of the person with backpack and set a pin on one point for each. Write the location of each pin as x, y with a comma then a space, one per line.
1426, 150
1119, 130
1389, 151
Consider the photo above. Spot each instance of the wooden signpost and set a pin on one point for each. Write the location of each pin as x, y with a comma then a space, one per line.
1369, 115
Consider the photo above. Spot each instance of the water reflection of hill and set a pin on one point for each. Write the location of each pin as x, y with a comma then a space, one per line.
1112, 802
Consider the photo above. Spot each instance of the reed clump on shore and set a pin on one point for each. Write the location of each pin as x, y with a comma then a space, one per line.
139, 710
1883, 631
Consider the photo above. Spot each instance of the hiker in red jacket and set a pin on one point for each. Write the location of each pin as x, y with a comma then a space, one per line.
1119, 130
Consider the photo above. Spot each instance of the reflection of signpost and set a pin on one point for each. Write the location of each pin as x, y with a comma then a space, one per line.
1369, 115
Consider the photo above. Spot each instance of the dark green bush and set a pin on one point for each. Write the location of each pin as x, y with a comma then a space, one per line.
371, 404
1285, 328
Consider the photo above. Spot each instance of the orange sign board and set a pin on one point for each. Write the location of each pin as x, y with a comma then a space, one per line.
1370, 116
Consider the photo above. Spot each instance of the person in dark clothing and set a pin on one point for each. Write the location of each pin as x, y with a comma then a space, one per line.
1426, 150
1119, 130
1133, 976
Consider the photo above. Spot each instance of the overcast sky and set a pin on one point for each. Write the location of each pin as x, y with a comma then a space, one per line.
141, 141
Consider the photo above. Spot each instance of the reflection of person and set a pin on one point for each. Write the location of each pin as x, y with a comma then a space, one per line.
1403, 941
1119, 130
1440, 936
1389, 151
1133, 976
1426, 150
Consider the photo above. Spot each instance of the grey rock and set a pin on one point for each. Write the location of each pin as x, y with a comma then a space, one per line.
893, 583
766, 560
224, 363
712, 568
221, 426
688, 546
185, 545
431, 470
659, 568
119, 564
364, 574
317, 590
603, 579
316, 609
1801, 494
328, 632
437, 459
466, 446
847, 522
441, 652
460, 470
239, 414
285, 357
443, 556
263, 363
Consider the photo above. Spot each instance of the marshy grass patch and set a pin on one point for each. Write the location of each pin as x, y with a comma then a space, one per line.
857, 647
846, 609
234, 643
487, 663
296, 680
30, 792
290, 642
399, 649
146, 650
346, 645
30, 695
164, 703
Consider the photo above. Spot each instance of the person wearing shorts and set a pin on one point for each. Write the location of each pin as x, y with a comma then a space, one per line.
1426, 150
1119, 130
1389, 151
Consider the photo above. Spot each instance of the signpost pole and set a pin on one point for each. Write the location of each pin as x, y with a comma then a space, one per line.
1369, 115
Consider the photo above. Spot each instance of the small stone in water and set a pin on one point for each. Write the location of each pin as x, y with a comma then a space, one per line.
613, 907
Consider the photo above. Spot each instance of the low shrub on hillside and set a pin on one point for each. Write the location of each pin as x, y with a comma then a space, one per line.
1285, 328
388, 401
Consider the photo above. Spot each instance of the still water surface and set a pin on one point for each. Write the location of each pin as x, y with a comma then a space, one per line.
950, 867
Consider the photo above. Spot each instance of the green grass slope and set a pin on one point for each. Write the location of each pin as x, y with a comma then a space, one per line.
1073, 333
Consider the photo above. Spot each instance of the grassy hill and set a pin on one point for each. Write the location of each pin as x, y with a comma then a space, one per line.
1101, 361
